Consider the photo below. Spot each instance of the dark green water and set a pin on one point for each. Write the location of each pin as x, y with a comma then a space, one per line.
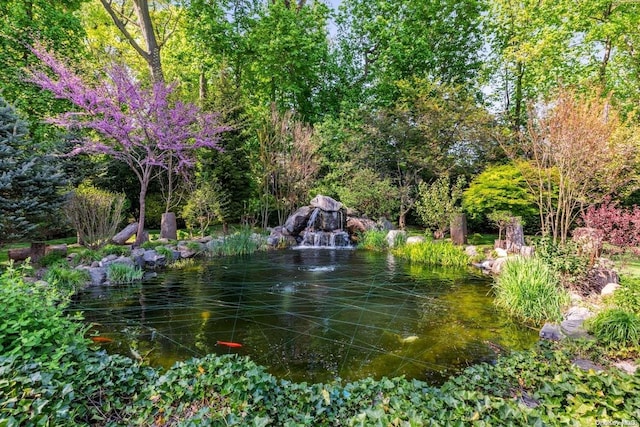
311, 315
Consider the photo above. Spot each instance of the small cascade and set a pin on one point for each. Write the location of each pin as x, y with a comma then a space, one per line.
323, 224
325, 239
312, 219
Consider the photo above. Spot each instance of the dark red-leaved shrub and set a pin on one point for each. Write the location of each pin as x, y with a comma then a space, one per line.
619, 226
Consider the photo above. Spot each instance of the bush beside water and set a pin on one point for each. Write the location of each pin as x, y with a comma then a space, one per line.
528, 289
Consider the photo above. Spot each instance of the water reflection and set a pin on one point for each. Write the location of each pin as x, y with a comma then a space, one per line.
311, 315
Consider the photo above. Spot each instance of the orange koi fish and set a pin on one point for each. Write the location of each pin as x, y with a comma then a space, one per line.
229, 344
100, 339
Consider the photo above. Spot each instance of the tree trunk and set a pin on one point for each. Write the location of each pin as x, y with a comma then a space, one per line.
143, 206
168, 226
141, 8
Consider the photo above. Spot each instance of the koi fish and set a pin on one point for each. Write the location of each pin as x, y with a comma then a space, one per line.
229, 344
100, 339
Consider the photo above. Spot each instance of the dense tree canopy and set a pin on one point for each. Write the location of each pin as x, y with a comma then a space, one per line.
399, 92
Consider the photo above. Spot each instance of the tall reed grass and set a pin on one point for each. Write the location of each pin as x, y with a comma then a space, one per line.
66, 279
243, 242
616, 328
441, 253
374, 240
529, 290
118, 273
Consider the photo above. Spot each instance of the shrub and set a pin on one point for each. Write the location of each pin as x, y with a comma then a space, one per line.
434, 253
118, 250
438, 203
529, 290
95, 214
33, 327
118, 273
628, 296
615, 328
205, 206
499, 188
619, 226
86, 256
563, 259
65, 278
374, 240
52, 258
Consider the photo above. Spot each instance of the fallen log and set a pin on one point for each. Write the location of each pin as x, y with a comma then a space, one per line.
126, 233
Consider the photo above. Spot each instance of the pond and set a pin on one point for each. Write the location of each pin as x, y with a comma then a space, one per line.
310, 315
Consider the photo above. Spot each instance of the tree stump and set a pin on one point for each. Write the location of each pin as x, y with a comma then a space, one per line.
38, 250
169, 226
459, 229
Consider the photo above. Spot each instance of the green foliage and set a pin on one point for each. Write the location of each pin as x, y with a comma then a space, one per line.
370, 194
95, 214
205, 206
374, 240
86, 256
563, 258
119, 250
627, 297
163, 250
434, 253
119, 273
615, 328
243, 242
61, 381
499, 188
65, 278
528, 289
33, 325
438, 203
185, 264
29, 181
52, 258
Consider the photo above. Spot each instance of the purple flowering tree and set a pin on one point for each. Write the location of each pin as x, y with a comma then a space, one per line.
138, 126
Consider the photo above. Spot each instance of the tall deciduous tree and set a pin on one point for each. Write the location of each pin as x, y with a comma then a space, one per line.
576, 152
21, 22
30, 184
138, 126
384, 41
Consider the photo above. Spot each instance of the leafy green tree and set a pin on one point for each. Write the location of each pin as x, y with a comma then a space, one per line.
30, 183
499, 188
438, 203
385, 41
276, 51
370, 194
23, 22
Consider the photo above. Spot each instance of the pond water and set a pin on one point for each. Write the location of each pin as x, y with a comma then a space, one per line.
310, 315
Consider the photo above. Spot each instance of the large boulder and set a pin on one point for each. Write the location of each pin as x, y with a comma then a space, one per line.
298, 220
326, 203
360, 225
